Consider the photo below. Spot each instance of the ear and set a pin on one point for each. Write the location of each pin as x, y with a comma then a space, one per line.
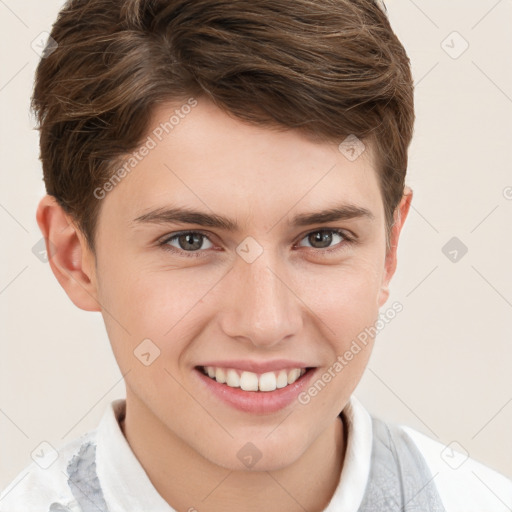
390, 264
69, 255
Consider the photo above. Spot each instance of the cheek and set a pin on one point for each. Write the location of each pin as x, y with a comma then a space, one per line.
163, 306
344, 296
149, 330
146, 297
346, 303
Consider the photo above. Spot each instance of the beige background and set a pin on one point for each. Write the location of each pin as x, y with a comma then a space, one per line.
443, 366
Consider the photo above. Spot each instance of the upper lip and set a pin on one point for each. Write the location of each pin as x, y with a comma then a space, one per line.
258, 366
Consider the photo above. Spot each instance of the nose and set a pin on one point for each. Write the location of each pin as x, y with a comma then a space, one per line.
261, 307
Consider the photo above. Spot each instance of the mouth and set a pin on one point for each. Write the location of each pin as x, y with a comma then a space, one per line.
255, 386
251, 381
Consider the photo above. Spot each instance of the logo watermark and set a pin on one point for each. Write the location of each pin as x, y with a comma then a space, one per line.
343, 360
151, 142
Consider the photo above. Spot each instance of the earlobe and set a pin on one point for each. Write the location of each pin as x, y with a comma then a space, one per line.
68, 254
401, 213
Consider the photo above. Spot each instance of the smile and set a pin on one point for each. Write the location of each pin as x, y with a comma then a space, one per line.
249, 381
255, 387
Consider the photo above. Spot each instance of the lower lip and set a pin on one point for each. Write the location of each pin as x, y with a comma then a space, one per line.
257, 402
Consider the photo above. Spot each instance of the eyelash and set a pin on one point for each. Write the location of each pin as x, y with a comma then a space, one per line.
348, 240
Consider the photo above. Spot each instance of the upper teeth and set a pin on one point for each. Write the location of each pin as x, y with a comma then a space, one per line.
249, 381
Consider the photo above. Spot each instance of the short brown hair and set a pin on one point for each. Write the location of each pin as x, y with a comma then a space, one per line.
329, 68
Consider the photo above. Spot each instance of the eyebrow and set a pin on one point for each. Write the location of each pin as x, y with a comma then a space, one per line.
186, 215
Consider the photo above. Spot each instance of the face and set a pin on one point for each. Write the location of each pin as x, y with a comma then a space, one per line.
249, 287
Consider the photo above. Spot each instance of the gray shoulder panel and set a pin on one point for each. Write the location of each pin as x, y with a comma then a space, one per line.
83, 480
399, 480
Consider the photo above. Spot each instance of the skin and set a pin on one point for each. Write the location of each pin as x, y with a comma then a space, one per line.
295, 301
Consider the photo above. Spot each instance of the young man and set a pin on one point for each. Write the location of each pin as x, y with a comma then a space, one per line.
225, 185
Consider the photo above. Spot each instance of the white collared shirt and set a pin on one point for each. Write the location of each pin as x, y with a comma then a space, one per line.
463, 486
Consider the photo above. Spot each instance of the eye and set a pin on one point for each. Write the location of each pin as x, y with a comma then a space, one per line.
186, 241
323, 238
191, 243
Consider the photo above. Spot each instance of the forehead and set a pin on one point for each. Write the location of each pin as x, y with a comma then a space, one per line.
202, 157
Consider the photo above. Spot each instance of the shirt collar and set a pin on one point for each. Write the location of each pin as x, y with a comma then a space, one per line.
356, 465
126, 486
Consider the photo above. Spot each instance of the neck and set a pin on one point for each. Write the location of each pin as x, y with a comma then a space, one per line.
188, 481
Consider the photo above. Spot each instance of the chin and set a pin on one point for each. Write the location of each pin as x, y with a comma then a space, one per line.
270, 462
258, 455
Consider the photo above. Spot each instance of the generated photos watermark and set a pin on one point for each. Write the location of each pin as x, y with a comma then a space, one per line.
151, 142
344, 359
